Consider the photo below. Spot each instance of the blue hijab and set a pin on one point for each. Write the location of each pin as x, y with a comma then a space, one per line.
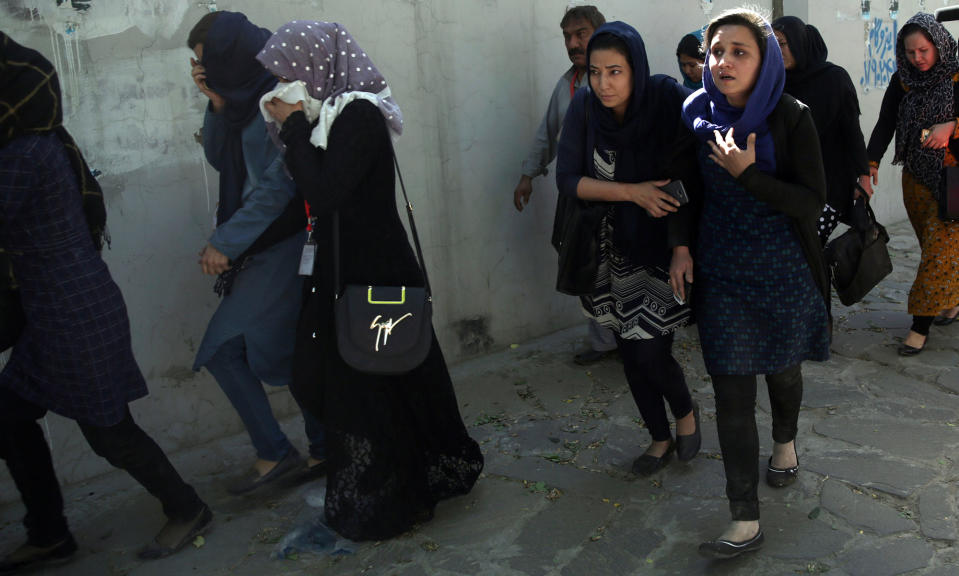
642, 142
232, 71
707, 109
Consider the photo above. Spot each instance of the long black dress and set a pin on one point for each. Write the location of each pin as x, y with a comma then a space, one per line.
396, 445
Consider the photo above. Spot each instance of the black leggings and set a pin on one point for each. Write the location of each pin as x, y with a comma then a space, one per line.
654, 375
738, 437
125, 445
921, 324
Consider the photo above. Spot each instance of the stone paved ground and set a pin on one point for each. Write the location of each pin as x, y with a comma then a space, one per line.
877, 491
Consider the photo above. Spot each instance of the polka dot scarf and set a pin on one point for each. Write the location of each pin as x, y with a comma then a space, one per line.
336, 71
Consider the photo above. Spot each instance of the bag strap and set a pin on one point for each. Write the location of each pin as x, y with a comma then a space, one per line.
409, 215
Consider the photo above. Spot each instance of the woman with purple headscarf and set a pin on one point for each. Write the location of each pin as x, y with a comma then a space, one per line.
396, 444
761, 284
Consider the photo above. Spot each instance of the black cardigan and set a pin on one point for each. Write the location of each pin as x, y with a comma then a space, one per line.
798, 189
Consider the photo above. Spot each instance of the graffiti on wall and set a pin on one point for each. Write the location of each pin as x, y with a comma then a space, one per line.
880, 62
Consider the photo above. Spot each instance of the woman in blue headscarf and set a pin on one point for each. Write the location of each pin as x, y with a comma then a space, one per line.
617, 147
761, 284
689, 54
251, 337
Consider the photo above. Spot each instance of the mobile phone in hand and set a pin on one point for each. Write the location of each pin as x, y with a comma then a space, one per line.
687, 291
676, 189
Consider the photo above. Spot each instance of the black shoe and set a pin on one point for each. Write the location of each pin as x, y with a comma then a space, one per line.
723, 549
314, 472
907, 350
944, 320
252, 480
29, 555
176, 534
648, 464
781, 477
592, 356
687, 446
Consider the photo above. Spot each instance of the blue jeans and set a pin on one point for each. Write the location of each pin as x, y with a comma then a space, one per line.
241, 385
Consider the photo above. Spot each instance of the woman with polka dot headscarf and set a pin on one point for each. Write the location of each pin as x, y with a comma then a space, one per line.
396, 445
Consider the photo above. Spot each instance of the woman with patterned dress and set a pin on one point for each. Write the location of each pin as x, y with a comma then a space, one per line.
919, 107
618, 146
396, 444
761, 285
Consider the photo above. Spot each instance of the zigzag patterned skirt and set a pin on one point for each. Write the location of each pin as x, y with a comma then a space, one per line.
633, 301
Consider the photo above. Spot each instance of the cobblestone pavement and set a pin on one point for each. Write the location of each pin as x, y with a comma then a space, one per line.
876, 495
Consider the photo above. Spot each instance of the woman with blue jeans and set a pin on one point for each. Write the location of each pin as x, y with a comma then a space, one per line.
250, 339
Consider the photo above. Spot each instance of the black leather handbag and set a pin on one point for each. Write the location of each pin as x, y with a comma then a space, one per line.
858, 259
576, 239
948, 196
383, 329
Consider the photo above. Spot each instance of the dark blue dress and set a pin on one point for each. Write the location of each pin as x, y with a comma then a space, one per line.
757, 304
74, 356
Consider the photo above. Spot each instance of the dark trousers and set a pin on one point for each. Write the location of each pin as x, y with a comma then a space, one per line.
922, 324
655, 378
738, 437
125, 445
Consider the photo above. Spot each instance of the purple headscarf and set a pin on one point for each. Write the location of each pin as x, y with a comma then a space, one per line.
707, 109
325, 56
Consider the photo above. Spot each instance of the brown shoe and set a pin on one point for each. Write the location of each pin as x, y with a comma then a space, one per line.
177, 534
29, 555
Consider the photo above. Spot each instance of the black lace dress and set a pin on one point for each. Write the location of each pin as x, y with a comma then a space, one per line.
396, 444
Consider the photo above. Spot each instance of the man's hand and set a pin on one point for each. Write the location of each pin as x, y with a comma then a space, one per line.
212, 261
523, 191
199, 78
281, 110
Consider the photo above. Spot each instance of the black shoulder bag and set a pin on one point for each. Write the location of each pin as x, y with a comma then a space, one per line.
858, 259
383, 329
576, 228
948, 193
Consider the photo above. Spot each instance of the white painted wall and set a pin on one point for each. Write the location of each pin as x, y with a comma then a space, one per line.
473, 78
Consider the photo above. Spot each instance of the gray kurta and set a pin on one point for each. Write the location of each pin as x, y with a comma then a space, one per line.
543, 148
265, 299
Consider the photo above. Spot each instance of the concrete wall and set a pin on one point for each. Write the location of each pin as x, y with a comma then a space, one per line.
473, 79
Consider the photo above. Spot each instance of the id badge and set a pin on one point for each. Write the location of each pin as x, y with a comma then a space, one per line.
308, 258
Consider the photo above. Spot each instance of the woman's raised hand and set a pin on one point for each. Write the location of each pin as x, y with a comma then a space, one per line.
730, 156
650, 198
281, 110
199, 78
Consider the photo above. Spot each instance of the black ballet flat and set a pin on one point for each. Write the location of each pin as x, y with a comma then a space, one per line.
781, 477
725, 549
907, 350
944, 320
648, 464
688, 446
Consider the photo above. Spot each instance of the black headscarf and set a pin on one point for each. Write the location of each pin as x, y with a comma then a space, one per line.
30, 103
691, 45
813, 80
232, 71
641, 141
929, 100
